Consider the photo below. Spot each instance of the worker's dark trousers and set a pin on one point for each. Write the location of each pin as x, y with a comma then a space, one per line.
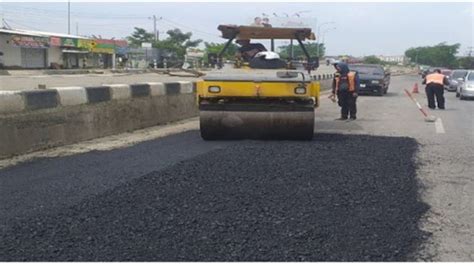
433, 91
347, 102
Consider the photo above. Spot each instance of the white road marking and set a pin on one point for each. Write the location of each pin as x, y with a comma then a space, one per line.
439, 126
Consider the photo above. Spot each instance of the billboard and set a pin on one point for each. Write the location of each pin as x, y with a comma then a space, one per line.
55, 41
29, 41
68, 42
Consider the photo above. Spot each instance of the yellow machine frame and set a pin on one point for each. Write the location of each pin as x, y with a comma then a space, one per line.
257, 89
273, 105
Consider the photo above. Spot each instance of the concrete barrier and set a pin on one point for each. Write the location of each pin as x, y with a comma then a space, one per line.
72, 95
119, 91
40, 119
11, 102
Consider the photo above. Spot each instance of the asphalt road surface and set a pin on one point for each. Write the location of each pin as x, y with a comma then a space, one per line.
386, 187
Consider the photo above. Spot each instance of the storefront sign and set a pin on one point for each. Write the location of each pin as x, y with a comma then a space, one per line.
146, 44
121, 50
104, 46
86, 44
29, 41
55, 41
68, 42
99, 50
121, 43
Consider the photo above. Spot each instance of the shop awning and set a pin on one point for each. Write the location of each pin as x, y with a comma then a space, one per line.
75, 52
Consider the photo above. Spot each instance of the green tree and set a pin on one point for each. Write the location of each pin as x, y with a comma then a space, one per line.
139, 36
216, 48
177, 42
440, 55
372, 59
285, 51
466, 62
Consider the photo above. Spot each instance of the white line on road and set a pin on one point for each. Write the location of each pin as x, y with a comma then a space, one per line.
439, 126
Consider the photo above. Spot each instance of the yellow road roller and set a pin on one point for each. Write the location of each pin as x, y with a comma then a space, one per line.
260, 96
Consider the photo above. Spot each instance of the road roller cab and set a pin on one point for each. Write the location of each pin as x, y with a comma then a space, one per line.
259, 100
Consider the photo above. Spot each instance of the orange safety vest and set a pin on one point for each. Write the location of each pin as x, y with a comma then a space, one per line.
436, 78
351, 79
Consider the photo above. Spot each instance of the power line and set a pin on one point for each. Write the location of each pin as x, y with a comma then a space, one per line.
22, 25
175, 24
31, 10
56, 19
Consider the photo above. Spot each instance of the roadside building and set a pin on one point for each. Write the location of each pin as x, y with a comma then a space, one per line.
34, 49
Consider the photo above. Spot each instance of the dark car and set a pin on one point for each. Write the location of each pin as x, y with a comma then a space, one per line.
373, 78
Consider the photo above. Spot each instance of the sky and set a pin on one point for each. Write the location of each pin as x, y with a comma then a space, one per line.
357, 29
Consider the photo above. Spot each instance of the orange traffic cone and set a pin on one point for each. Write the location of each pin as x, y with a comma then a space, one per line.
415, 88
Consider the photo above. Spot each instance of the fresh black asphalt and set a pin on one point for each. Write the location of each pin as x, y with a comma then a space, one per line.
336, 198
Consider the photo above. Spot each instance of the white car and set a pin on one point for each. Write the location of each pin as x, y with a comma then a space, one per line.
467, 88
456, 80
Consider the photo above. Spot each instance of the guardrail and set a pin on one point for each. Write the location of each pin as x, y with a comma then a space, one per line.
38, 119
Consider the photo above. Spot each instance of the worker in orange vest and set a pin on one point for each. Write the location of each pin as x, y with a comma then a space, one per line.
435, 87
345, 86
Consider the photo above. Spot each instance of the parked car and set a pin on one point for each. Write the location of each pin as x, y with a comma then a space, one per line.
467, 88
456, 80
373, 78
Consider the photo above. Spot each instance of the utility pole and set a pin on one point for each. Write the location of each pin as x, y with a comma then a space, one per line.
69, 17
155, 32
154, 28
77, 28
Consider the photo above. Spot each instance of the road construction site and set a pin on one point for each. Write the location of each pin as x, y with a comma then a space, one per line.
388, 186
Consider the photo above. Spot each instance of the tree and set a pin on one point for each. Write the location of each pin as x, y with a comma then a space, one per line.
440, 55
372, 59
285, 51
216, 48
177, 42
139, 36
466, 62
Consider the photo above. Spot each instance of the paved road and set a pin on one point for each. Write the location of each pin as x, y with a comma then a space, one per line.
388, 186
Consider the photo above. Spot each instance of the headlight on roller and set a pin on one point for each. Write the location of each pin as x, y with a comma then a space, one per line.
214, 89
300, 90
375, 82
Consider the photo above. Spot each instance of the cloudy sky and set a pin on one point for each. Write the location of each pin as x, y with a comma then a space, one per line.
360, 28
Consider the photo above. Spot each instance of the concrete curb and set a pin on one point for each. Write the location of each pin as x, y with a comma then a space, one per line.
11, 102
72, 95
30, 100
